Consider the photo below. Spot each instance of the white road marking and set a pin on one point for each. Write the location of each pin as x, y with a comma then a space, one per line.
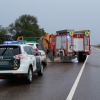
71, 94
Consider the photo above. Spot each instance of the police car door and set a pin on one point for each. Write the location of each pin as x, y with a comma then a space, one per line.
32, 58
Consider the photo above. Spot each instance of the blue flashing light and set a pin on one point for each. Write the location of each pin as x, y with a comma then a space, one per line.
10, 42
15, 42
67, 36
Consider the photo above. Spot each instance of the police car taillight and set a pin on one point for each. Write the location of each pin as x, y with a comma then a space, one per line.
19, 56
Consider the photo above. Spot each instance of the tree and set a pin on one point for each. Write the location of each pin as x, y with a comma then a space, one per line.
3, 34
26, 25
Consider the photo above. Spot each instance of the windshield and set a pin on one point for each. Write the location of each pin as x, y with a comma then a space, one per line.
39, 46
9, 50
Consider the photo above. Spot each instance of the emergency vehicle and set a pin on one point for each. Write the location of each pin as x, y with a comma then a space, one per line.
68, 44
38, 47
17, 59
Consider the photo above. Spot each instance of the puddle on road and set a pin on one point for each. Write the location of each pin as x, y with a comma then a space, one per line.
58, 60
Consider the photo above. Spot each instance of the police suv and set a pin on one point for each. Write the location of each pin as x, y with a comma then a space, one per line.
19, 60
37, 47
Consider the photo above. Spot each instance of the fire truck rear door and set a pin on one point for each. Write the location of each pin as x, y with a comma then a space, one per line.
58, 42
86, 40
78, 44
69, 38
63, 42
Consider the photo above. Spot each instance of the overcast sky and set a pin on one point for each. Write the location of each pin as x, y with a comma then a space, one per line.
55, 15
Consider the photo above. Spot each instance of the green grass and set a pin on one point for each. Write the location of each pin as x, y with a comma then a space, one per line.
97, 46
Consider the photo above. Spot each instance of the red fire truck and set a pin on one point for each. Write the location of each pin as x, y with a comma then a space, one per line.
69, 44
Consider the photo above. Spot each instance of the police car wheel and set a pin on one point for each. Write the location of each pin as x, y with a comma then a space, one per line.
40, 72
45, 63
29, 75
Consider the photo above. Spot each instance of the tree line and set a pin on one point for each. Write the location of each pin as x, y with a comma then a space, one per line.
25, 25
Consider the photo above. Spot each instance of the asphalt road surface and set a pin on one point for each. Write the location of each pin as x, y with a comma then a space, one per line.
57, 82
89, 84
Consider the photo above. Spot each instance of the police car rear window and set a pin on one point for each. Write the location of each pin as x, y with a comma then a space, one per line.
9, 50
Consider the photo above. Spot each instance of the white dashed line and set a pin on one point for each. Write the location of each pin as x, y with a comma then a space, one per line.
70, 96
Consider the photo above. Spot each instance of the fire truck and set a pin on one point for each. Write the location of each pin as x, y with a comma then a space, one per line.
68, 44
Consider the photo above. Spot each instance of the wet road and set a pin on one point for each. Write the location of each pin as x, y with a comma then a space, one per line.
57, 82
89, 84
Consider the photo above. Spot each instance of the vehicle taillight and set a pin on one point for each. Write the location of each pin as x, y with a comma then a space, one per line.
36, 49
19, 56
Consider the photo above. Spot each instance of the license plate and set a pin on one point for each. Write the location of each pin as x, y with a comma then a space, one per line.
4, 62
